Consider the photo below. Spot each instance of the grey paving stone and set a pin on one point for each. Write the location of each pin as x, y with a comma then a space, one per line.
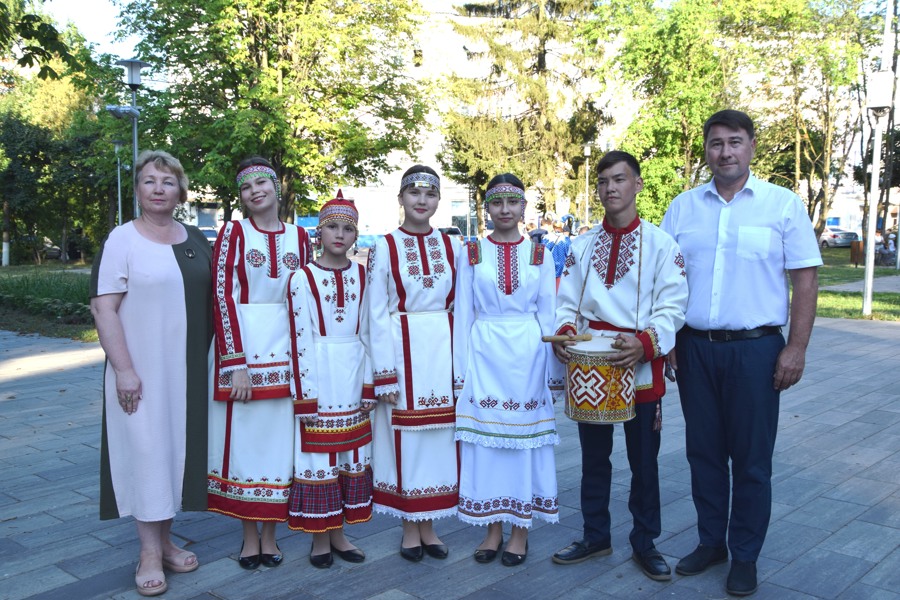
886, 512
821, 573
885, 575
861, 491
868, 541
825, 513
785, 540
16, 585
861, 591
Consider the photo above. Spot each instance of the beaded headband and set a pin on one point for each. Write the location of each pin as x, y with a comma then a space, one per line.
254, 171
504, 190
421, 180
339, 209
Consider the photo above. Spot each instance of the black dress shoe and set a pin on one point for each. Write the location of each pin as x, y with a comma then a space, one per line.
741, 578
513, 560
487, 555
271, 560
354, 555
248, 562
701, 559
321, 561
579, 551
652, 564
413, 554
437, 550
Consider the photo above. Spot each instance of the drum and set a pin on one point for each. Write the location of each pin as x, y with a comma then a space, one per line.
597, 392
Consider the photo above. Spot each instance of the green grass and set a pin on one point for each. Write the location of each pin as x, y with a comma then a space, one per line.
838, 268
45, 282
848, 305
13, 319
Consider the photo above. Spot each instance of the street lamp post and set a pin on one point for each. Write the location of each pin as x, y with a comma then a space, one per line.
119, 144
133, 68
880, 98
587, 175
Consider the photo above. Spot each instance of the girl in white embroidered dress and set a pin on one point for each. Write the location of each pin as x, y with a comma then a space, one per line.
251, 435
411, 278
332, 388
505, 378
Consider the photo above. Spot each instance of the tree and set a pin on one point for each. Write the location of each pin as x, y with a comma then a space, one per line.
33, 38
318, 87
529, 113
672, 55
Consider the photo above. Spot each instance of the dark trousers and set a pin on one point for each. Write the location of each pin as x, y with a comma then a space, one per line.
642, 444
731, 413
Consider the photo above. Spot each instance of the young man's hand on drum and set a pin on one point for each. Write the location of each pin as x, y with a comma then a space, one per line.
560, 349
630, 351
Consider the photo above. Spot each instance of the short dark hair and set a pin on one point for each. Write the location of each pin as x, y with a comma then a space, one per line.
732, 119
418, 169
614, 157
253, 161
505, 178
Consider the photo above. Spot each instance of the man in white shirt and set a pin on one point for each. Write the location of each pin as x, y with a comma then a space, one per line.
739, 236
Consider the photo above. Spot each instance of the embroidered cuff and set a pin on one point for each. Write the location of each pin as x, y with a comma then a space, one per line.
650, 341
368, 392
381, 390
232, 363
566, 329
384, 377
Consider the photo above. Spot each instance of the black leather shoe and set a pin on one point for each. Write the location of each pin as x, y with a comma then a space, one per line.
701, 559
321, 561
514, 560
437, 550
249, 562
741, 578
487, 555
271, 560
579, 551
413, 554
354, 555
652, 564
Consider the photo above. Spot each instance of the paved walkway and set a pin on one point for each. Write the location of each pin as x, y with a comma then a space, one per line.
889, 283
835, 530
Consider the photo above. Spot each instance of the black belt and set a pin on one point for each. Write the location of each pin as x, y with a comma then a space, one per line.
726, 335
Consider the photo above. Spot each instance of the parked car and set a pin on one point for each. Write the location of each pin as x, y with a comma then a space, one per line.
452, 231
211, 235
833, 237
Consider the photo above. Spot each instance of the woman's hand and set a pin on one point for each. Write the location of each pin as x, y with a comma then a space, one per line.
240, 386
367, 406
128, 390
390, 398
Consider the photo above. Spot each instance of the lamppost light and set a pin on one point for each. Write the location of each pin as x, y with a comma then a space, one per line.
133, 68
118, 144
587, 149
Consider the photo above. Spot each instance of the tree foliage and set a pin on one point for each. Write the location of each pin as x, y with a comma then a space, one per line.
32, 39
529, 112
316, 86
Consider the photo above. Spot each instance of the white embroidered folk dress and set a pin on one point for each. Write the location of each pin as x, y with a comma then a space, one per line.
506, 378
251, 444
331, 375
411, 282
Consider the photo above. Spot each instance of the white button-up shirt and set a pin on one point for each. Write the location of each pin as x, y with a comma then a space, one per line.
737, 253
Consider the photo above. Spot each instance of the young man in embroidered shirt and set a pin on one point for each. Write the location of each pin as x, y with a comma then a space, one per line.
624, 278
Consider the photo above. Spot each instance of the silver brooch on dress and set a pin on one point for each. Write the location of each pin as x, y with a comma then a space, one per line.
189, 252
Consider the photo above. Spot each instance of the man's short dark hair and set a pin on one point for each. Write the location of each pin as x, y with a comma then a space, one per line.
614, 157
732, 119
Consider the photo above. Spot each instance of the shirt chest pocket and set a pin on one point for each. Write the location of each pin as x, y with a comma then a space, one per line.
753, 242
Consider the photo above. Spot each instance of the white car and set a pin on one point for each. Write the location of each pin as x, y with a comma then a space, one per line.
833, 237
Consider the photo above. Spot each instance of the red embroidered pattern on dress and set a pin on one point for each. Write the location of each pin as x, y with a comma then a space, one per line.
508, 504
255, 258
628, 245
509, 404
508, 268
433, 401
426, 274
370, 263
291, 261
679, 262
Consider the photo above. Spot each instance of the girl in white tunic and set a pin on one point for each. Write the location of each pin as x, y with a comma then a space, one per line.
411, 280
332, 389
251, 434
505, 378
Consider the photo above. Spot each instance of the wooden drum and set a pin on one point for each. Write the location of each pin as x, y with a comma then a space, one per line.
597, 392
